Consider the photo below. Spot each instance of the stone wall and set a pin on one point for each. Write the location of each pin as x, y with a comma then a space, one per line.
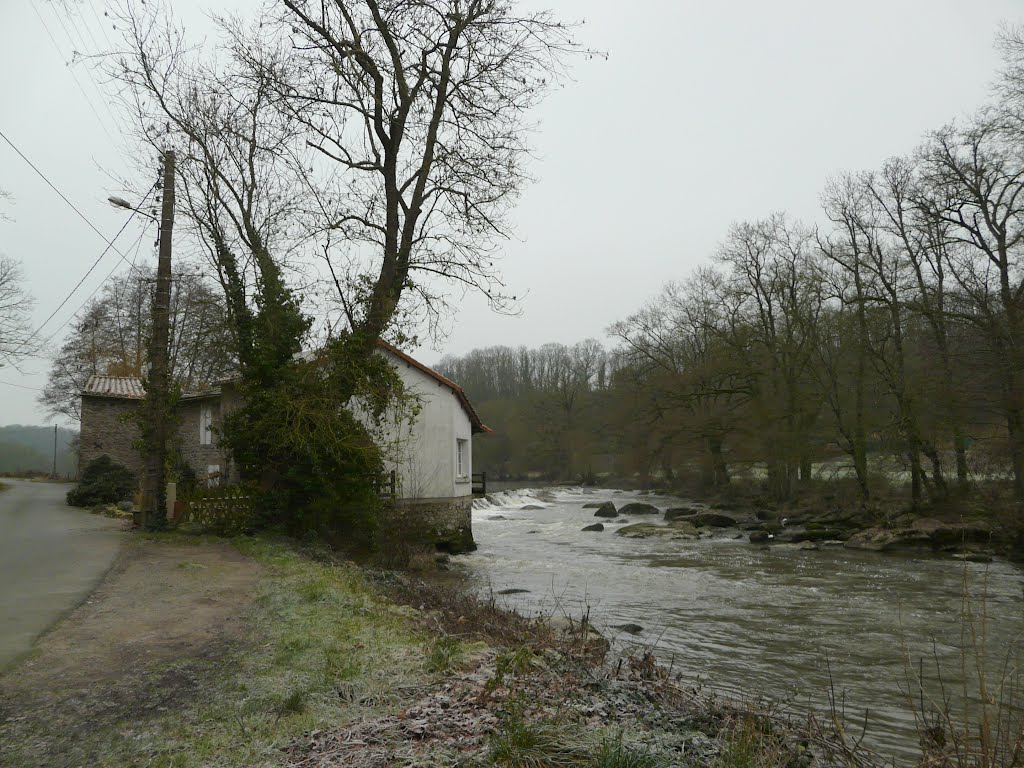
199, 456
109, 429
444, 523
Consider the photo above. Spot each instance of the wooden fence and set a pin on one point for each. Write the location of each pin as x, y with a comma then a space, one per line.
226, 510
479, 483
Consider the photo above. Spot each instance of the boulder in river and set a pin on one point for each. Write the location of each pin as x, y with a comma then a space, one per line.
594, 527
639, 508
886, 540
512, 591
815, 534
760, 537
632, 629
594, 504
673, 512
712, 520
606, 510
528, 507
677, 530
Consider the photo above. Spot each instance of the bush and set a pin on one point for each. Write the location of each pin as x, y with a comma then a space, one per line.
103, 481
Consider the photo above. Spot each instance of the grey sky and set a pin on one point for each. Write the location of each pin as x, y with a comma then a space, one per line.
703, 114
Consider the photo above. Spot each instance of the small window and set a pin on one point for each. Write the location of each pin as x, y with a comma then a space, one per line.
206, 424
461, 458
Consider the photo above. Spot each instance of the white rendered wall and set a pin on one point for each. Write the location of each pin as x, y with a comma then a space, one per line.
422, 453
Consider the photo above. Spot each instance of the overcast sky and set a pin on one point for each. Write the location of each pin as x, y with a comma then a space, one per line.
703, 114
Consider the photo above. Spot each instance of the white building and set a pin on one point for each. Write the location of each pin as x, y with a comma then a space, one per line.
432, 454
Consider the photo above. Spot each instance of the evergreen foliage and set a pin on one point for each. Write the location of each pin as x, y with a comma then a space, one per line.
103, 481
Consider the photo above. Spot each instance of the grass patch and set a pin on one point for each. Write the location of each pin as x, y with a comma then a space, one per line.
321, 648
522, 743
614, 752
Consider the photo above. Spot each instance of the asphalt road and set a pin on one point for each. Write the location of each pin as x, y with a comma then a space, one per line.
51, 557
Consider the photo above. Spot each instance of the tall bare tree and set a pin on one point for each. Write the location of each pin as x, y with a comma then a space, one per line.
976, 182
15, 304
110, 339
389, 137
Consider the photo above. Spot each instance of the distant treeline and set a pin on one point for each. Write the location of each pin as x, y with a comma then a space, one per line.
893, 330
25, 449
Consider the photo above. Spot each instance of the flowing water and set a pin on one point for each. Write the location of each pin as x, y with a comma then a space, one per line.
747, 620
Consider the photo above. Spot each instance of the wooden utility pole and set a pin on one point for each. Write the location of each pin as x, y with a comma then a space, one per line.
158, 406
54, 451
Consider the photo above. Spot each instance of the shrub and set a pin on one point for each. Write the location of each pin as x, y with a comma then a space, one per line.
103, 481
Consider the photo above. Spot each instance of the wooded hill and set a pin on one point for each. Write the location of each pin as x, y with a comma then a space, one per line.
30, 449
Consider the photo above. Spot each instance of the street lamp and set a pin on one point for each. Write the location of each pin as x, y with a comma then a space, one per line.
120, 202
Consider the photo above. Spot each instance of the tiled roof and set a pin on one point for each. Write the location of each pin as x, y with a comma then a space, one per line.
115, 386
474, 418
130, 388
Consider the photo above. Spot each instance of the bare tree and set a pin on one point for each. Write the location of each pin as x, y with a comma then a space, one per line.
389, 137
110, 339
15, 305
420, 110
976, 191
774, 296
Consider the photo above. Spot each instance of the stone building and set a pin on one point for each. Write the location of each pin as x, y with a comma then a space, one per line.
110, 407
430, 456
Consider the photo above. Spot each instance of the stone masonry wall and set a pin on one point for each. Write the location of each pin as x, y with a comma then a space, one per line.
107, 428
445, 523
198, 456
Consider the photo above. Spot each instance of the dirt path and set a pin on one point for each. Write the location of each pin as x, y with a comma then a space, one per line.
142, 642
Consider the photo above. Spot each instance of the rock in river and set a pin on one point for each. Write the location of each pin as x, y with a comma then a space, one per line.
512, 591
639, 508
678, 529
674, 512
528, 507
632, 629
594, 527
606, 510
594, 504
712, 520
760, 537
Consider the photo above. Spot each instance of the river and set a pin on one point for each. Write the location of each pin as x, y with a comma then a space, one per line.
747, 620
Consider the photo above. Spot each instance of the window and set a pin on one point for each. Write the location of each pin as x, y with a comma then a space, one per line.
461, 458
213, 475
205, 424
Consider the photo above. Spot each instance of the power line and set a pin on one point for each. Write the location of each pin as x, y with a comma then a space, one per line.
63, 197
20, 386
89, 101
88, 272
99, 285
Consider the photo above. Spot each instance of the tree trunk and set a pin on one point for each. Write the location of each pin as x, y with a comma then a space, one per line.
941, 490
719, 469
960, 449
916, 481
860, 465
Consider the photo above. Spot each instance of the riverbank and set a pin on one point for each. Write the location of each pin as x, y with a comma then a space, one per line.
200, 651
971, 527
